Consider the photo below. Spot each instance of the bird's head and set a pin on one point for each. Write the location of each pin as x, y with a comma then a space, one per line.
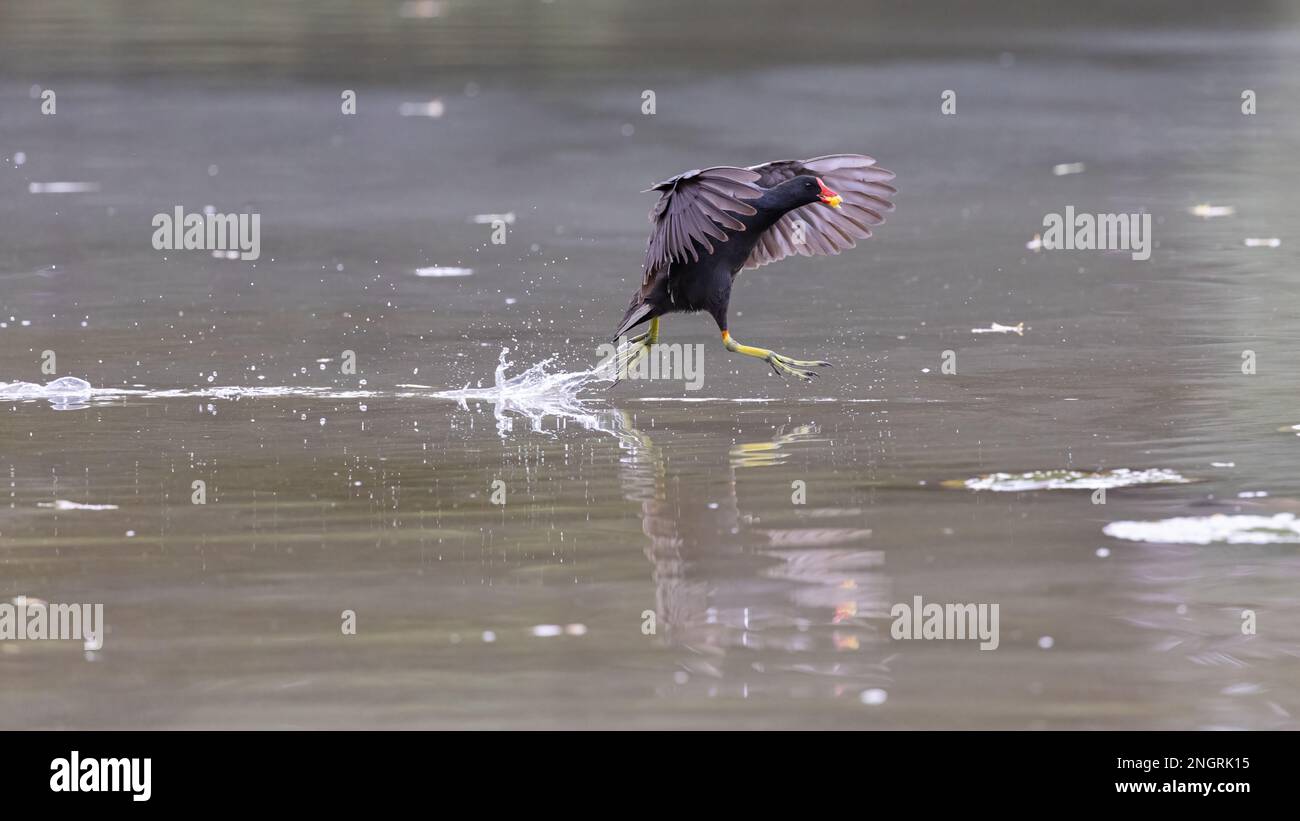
806, 189
826, 195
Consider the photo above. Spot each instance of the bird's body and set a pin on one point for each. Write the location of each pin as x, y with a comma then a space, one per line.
710, 224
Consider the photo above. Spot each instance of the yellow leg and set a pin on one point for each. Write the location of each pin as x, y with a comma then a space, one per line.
783, 365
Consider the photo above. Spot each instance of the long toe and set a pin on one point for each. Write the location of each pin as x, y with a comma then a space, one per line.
802, 363
783, 368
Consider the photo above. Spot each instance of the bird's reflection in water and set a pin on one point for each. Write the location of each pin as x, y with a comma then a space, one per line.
763, 594
763, 575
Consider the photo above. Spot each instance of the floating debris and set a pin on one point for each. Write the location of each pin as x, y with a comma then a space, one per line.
1017, 329
1206, 210
433, 108
1035, 244
547, 630
1068, 480
1268, 242
1221, 528
443, 271
64, 504
62, 187
1063, 169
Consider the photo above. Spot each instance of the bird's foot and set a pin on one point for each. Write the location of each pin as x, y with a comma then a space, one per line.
785, 366
635, 348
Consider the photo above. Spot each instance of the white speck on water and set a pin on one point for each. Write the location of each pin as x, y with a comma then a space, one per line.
873, 697
1062, 169
19, 158
62, 187
1263, 242
1103, 552
575, 629
1223, 464
1207, 211
997, 328
487, 219
421, 9
443, 271
681, 677
1046, 642
1252, 494
547, 630
433, 108
489, 636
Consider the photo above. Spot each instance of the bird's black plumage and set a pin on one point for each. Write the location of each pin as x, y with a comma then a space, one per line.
711, 223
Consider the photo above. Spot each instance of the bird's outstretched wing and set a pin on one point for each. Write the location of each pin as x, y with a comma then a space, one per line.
695, 207
818, 230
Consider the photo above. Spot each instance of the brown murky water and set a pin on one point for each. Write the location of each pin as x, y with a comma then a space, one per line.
645, 505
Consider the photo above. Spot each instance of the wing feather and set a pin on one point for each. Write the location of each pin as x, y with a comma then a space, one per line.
695, 209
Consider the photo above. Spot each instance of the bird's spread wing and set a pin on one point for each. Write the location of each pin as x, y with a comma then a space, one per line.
697, 207
818, 230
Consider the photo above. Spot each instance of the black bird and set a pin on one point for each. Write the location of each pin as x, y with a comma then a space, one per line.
711, 223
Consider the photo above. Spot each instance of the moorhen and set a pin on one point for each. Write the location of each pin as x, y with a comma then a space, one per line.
711, 223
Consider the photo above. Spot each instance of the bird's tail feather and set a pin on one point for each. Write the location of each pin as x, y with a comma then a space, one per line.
634, 316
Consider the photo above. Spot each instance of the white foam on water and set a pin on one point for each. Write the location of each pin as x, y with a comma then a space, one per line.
1221, 528
1073, 480
69, 390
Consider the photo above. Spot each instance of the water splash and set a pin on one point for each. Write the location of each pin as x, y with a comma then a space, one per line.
537, 393
64, 393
